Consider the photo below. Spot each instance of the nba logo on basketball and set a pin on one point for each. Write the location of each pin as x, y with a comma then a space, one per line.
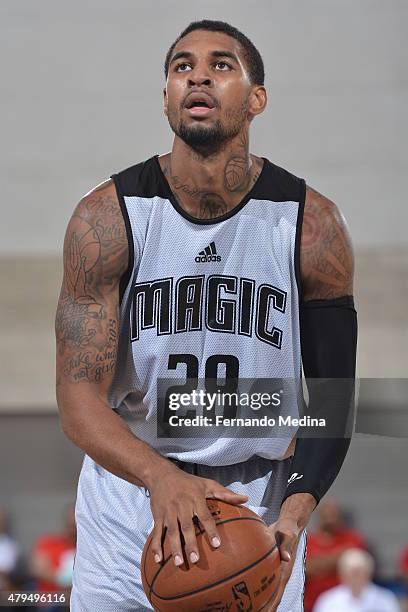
242, 597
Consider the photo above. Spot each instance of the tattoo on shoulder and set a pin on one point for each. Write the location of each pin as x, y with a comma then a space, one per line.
326, 251
95, 257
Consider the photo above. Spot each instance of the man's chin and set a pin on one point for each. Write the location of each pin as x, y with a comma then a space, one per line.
201, 135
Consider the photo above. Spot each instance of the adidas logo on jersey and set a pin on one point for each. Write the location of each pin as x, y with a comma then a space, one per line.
208, 254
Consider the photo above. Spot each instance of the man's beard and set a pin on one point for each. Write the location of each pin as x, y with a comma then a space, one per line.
207, 140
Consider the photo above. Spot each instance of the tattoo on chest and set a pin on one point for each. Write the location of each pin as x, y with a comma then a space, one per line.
211, 206
237, 179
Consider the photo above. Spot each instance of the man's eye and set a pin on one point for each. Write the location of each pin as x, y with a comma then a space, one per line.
181, 65
223, 64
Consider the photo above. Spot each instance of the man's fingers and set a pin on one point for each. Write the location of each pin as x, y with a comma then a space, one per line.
178, 521
190, 540
156, 545
204, 516
217, 491
173, 538
285, 544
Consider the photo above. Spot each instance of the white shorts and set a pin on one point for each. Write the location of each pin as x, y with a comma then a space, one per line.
114, 519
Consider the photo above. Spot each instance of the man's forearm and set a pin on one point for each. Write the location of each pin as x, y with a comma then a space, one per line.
94, 427
298, 507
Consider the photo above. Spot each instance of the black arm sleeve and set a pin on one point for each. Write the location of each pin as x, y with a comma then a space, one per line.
328, 330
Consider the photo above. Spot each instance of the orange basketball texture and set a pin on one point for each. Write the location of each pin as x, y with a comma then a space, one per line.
242, 574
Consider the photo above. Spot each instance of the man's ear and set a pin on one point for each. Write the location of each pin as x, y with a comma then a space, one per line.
258, 100
165, 101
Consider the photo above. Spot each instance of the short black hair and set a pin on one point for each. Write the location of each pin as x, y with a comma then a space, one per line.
252, 56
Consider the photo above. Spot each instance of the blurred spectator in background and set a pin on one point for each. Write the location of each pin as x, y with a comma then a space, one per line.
52, 559
403, 566
356, 593
9, 554
324, 547
402, 574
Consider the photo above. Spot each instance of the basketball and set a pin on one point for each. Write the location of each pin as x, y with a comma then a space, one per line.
242, 574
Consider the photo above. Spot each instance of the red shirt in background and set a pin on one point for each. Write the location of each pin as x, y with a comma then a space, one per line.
54, 547
320, 544
403, 563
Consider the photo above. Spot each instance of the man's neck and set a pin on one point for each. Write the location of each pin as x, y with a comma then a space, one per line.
208, 186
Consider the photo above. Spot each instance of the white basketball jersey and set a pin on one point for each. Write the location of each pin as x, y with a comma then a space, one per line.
206, 294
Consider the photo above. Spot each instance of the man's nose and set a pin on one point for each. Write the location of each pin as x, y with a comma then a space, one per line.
199, 77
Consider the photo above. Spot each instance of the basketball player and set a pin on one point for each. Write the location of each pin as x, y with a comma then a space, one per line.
202, 258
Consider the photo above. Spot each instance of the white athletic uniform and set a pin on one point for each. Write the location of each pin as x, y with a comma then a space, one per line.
213, 297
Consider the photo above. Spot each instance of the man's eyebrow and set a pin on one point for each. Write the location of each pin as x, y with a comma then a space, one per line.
215, 53
222, 53
176, 56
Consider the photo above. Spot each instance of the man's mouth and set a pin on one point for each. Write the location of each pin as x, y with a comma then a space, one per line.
200, 111
199, 104
199, 100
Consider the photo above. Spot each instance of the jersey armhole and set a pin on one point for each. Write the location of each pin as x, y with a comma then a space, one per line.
299, 223
124, 281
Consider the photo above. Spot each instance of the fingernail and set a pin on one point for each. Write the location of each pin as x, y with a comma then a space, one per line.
178, 560
193, 557
215, 542
157, 558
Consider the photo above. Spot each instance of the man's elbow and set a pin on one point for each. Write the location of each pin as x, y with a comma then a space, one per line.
65, 424
66, 416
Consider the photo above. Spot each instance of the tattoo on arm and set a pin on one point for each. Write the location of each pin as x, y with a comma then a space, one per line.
87, 318
326, 252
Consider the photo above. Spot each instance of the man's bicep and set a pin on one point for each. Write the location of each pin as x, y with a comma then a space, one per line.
87, 318
326, 253
87, 333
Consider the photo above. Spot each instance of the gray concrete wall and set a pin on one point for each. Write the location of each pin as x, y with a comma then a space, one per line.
82, 97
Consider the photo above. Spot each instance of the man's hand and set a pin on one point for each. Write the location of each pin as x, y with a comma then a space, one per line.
176, 498
287, 534
294, 516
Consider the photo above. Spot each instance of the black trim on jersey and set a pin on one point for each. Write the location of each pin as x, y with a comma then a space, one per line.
169, 196
146, 180
124, 281
142, 180
299, 224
